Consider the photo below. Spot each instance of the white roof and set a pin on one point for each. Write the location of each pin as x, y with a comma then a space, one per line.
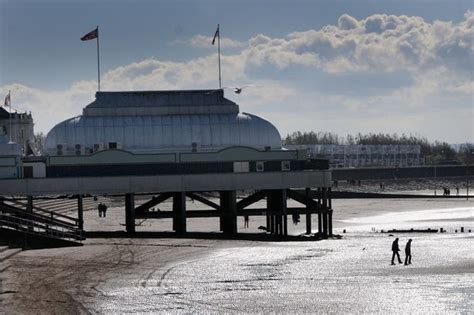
164, 126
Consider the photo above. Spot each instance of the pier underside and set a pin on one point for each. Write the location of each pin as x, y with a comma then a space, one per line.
216, 192
230, 208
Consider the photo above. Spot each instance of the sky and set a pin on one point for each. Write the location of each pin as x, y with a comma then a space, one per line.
346, 67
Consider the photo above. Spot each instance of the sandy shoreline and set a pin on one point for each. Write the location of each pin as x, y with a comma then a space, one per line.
188, 275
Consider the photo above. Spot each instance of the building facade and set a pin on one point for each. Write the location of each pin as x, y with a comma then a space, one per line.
21, 132
365, 155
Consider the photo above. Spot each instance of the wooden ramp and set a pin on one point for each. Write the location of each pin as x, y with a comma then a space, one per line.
37, 225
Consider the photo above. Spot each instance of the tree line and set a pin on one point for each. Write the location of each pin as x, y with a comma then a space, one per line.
434, 152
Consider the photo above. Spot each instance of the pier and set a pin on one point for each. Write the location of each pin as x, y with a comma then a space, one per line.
274, 187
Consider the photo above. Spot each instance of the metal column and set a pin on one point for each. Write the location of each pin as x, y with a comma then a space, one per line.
308, 212
270, 217
80, 212
330, 222
179, 212
29, 204
228, 201
329, 198
130, 213
320, 215
276, 203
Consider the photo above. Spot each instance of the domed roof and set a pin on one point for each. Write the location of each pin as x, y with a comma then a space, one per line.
162, 121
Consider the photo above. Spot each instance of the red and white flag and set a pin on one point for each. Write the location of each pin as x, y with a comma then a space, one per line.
8, 101
91, 35
216, 34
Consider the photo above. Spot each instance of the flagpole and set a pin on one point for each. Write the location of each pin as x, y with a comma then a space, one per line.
219, 53
10, 103
98, 59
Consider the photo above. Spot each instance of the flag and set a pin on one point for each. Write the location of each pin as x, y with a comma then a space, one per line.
216, 35
91, 35
8, 101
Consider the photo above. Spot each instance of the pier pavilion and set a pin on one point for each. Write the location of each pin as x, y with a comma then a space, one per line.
170, 145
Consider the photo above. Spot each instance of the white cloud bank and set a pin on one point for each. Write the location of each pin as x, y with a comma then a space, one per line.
379, 43
438, 57
202, 41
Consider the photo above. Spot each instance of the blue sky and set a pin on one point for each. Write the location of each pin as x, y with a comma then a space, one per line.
340, 66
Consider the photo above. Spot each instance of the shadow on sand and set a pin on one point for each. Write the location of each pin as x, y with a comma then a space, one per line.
267, 237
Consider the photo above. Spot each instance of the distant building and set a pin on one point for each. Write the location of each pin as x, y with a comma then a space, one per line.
161, 121
21, 128
365, 155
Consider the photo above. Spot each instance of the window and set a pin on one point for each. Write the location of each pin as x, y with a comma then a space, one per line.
285, 165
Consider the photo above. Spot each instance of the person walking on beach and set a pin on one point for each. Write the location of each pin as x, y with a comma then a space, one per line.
104, 209
99, 207
408, 253
395, 250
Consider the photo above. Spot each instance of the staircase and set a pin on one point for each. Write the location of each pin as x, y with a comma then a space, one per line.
37, 222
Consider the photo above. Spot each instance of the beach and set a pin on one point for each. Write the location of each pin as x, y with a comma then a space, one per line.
347, 275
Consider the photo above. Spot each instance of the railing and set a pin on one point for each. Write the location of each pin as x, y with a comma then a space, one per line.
37, 228
33, 223
41, 212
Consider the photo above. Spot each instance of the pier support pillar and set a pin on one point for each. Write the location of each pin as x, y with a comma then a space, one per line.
228, 202
272, 224
130, 213
270, 216
29, 204
284, 209
330, 222
320, 214
276, 203
320, 223
179, 212
325, 224
29, 209
221, 221
329, 199
80, 212
308, 212
269, 220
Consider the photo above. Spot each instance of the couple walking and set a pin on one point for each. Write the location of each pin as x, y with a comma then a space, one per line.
396, 249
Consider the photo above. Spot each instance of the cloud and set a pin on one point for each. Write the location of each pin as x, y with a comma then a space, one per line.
347, 22
51, 107
422, 68
378, 43
202, 41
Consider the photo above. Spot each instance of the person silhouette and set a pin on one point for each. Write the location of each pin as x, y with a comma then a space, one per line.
104, 209
408, 253
99, 207
395, 250
246, 221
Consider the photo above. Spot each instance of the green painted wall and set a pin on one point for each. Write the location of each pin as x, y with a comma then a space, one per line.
112, 157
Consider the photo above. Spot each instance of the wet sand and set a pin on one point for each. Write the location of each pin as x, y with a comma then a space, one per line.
352, 274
